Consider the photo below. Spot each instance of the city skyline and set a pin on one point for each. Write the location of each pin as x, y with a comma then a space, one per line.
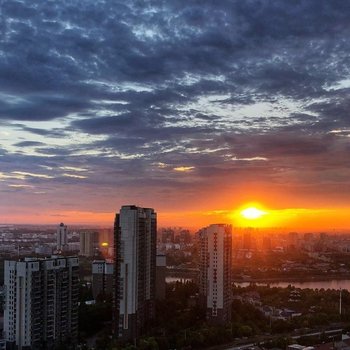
197, 110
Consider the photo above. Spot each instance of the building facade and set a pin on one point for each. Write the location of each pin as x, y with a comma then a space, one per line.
62, 238
215, 272
160, 276
89, 243
106, 242
102, 278
135, 233
41, 302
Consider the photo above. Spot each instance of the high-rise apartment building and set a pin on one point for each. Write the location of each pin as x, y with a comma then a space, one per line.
89, 244
135, 233
61, 238
41, 303
215, 271
102, 278
160, 276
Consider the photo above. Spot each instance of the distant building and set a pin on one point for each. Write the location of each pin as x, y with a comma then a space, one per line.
135, 233
73, 248
183, 237
102, 278
168, 235
61, 238
266, 244
215, 271
247, 240
323, 235
89, 243
43, 249
308, 236
106, 241
41, 304
106, 236
160, 276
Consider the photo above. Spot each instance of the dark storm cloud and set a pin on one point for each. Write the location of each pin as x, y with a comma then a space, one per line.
41, 108
54, 151
129, 85
282, 144
336, 111
28, 144
147, 127
56, 133
57, 48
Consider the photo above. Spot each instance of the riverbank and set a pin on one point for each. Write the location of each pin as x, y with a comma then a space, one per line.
333, 284
318, 278
326, 281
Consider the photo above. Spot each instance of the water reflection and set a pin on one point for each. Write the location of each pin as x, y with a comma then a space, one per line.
332, 284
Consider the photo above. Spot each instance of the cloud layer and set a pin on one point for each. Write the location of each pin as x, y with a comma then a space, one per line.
169, 103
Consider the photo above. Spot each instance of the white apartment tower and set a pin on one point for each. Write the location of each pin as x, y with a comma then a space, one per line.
41, 302
61, 238
135, 234
215, 271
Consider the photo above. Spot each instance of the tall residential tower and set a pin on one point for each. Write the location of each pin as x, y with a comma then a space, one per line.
102, 278
61, 238
89, 243
135, 234
41, 303
215, 271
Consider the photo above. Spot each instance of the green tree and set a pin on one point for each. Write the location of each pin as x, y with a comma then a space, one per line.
148, 344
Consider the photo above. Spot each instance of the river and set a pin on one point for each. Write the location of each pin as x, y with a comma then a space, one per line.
331, 284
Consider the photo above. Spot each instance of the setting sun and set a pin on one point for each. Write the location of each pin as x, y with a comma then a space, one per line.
252, 213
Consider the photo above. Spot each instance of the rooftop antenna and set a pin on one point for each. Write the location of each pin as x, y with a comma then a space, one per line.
340, 302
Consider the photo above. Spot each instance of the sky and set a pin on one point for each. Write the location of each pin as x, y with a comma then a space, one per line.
194, 108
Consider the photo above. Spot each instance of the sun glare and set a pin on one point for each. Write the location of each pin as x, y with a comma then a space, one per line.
252, 213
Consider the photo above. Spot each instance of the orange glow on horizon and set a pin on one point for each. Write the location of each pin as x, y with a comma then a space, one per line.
302, 219
254, 215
